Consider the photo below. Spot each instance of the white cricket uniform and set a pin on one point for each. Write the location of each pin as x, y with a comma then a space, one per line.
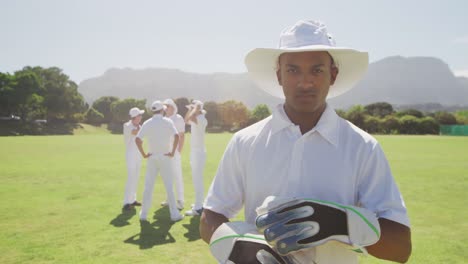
198, 157
133, 160
177, 160
335, 161
159, 131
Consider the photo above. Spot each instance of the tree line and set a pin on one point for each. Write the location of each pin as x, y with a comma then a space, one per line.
381, 118
228, 116
36, 100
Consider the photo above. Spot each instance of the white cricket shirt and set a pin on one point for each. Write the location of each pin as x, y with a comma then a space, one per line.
335, 161
178, 122
159, 131
198, 132
129, 138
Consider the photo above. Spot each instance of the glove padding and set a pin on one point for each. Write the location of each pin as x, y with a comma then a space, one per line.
239, 242
294, 224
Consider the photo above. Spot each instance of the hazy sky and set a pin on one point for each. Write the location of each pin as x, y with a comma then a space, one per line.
87, 37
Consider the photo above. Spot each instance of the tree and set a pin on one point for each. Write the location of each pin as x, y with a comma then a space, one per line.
445, 118
371, 124
380, 109
234, 115
409, 125
390, 125
26, 99
7, 83
94, 117
428, 125
212, 115
61, 97
102, 105
356, 115
462, 117
341, 113
121, 108
411, 112
260, 112
181, 103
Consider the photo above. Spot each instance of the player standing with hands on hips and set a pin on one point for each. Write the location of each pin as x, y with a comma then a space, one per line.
162, 139
314, 187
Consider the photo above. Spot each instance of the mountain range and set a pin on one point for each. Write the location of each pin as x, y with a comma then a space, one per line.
396, 80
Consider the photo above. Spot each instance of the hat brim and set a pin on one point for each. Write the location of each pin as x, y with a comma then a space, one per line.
261, 64
162, 108
141, 112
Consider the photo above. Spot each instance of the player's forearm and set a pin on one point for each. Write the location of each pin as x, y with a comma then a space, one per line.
191, 116
188, 116
176, 142
139, 144
394, 243
181, 142
209, 222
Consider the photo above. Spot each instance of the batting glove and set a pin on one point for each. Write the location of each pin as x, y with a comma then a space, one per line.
294, 224
240, 243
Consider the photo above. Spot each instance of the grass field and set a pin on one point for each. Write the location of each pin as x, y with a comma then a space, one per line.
60, 198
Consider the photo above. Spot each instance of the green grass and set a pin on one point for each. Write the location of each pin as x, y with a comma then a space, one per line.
86, 129
61, 196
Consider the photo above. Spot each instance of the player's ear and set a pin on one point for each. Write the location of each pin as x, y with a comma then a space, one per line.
334, 73
278, 72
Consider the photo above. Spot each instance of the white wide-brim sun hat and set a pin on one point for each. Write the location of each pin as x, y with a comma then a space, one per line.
305, 36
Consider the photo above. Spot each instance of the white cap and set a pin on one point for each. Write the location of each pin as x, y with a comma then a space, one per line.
196, 103
157, 105
135, 111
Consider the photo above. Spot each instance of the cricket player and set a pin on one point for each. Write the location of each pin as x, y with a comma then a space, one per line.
314, 187
171, 113
195, 116
162, 139
132, 158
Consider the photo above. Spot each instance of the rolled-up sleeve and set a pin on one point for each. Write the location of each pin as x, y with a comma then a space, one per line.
226, 193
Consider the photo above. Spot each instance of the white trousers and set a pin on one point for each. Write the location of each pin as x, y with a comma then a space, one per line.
133, 160
154, 165
178, 179
197, 162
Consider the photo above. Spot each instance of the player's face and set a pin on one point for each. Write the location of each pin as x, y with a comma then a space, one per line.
169, 110
137, 119
306, 78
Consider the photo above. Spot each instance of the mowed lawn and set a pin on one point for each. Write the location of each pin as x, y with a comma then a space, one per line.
60, 198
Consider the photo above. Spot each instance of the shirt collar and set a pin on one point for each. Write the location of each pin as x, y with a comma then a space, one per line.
157, 116
327, 126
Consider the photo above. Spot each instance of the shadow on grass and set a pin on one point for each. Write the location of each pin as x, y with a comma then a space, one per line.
122, 219
193, 230
156, 233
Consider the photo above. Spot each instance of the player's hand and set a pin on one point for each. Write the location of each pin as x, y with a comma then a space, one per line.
240, 243
265, 257
293, 224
